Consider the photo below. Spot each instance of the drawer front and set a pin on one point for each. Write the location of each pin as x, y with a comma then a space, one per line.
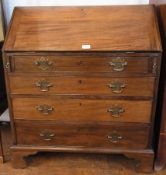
82, 85
106, 136
82, 63
82, 110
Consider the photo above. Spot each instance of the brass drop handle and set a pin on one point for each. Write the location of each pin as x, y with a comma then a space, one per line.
45, 109
44, 85
47, 135
43, 63
116, 111
114, 137
117, 87
118, 64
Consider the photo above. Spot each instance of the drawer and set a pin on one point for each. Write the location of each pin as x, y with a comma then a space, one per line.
82, 110
82, 85
56, 63
102, 136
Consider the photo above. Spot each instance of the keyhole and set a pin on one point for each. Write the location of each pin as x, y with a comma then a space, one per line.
80, 63
80, 81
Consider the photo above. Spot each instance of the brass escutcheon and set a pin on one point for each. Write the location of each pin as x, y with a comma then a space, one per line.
118, 64
45, 109
117, 87
44, 85
116, 111
47, 135
43, 63
114, 137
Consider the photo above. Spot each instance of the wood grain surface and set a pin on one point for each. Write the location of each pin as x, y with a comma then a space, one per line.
77, 110
84, 63
112, 28
61, 67
118, 87
86, 136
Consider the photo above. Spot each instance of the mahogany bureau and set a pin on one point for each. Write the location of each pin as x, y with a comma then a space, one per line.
83, 79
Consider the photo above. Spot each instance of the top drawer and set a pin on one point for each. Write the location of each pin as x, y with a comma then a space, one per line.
108, 64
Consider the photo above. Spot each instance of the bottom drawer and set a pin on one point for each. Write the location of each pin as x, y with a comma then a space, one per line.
99, 135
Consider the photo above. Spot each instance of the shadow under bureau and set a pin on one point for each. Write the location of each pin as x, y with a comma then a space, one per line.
83, 79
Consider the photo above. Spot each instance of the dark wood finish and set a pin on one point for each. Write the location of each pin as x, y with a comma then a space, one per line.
82, 110
143, 161
18, 158
86, 25
75, 90
161, 151
99, 136
163, 123
6, 140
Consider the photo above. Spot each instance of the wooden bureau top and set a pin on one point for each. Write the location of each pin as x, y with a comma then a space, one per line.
107, 28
